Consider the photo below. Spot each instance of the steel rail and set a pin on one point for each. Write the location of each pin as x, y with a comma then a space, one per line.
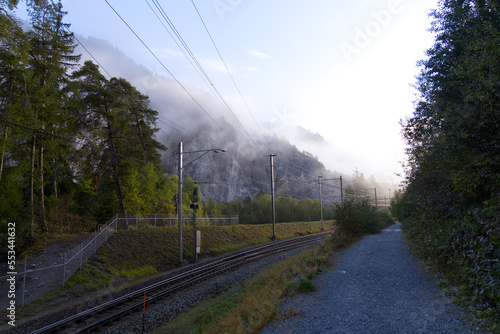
179, 282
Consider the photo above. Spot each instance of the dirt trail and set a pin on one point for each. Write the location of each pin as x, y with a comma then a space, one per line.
377, 287
39, 282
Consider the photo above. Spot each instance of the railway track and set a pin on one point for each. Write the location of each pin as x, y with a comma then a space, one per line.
94, 318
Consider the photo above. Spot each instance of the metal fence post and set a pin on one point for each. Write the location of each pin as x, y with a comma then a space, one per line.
64, 269
95, 238
24, 280
81, 251
136, 220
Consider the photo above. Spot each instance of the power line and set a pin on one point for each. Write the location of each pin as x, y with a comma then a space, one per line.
170, 123
169, 72
35, 130
200, 69
177, 43
83, 46
229, 72
307, 171
255, 181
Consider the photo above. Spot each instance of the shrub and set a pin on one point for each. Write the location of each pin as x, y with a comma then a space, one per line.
301, 285
358, 217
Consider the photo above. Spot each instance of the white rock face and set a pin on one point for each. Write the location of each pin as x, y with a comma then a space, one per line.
243, 170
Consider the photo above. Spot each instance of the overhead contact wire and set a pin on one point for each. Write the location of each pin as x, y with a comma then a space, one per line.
228, 71
169, 72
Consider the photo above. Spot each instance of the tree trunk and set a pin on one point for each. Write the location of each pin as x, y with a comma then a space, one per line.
54, 172
41, 191
141, 137
54, 178
32, 188
114, 162
3, 151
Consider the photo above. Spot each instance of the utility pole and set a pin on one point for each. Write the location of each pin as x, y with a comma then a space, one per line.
341, 191
179, 205
194, 206
321, 201
376, 205
179, 199
271, 156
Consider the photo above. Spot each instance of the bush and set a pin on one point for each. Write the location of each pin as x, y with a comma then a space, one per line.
358, 217
301, 285
468, 247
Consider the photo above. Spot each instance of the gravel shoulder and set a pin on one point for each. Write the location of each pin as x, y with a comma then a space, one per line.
376, 287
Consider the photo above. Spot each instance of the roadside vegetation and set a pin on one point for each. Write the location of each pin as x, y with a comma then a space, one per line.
256, 303
450, 205
358, 217
130, 257
77, 147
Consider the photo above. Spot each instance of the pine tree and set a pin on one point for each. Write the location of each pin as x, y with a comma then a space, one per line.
96, 123
50, 56
14, 132
117, 129
138, 122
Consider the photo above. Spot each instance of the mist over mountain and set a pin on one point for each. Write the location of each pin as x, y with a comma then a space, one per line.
243, 170
198, 120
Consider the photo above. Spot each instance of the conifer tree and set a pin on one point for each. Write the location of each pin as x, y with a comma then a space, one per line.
50, 56
450, 206
116, 130
14, 133
96, 123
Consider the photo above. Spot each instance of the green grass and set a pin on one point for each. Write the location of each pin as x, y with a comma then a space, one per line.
301, 285
158, 247
130, 257
249, 308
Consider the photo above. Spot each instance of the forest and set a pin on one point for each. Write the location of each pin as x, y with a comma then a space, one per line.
78, 146
75, 147
450, 203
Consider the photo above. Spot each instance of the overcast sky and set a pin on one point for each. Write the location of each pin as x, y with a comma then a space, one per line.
341, 69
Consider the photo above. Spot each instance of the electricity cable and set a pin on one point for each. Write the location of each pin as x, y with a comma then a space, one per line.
202, 70
172, 124
229, 72
169, 72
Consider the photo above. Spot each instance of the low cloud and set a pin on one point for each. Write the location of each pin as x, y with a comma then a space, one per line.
182, 118
259, 54
212, 65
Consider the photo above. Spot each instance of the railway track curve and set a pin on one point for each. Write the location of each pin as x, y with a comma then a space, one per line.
98, 316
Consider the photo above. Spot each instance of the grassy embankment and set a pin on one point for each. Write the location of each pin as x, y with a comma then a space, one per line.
131, 257
249, 308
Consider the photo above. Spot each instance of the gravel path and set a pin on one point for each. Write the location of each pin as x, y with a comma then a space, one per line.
377, 287
45, 270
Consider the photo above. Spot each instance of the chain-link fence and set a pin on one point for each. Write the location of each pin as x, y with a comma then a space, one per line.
136, 221
35, 277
